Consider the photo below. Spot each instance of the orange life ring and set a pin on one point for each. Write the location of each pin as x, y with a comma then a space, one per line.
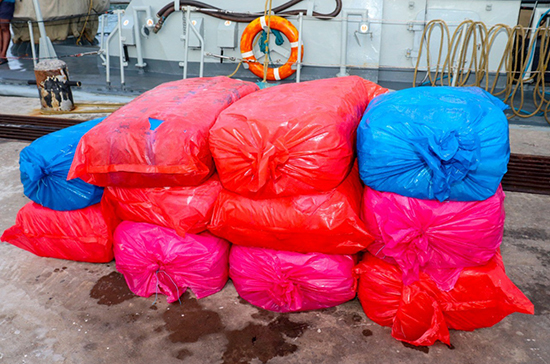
247, 43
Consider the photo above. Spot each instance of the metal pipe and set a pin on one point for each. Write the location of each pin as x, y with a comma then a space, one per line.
33, 49
39, 19
107, 57
137, 35
46, 47
186, 49
344, 42
299, 61
201, 40
102, 38
343, 46
120, 47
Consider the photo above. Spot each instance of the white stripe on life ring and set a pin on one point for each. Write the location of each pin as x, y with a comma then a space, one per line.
247, 54
276, 74
294, 44
263, 22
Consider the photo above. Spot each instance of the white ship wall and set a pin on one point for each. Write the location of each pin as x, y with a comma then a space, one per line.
392, 41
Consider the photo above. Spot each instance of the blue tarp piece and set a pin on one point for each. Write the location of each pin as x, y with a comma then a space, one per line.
44, 166
441, 143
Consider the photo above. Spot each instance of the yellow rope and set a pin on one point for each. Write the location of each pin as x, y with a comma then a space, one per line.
267, 13
236, 69
85, 22
474, 41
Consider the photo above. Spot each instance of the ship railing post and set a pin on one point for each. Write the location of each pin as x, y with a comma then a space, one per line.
108, 56
121, 48
102, 38
186, 49
137, 31
299, 61
343, 45
33, 49
201, 40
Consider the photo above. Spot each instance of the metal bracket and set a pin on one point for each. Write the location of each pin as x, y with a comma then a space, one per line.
310, 6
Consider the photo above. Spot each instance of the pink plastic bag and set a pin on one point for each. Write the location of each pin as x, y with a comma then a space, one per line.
159, 139
439, 238
421, 314
154, 259
291, 139
284, 281
326, 222
184, 209
80, 235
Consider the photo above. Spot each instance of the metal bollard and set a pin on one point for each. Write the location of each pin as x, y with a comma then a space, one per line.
54, 87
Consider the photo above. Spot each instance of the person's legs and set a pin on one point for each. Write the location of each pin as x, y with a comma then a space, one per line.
7, 8
5, 38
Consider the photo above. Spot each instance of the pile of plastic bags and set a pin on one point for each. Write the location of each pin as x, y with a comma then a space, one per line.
285, 156
64, 220
204, 179
432, 160
152, 155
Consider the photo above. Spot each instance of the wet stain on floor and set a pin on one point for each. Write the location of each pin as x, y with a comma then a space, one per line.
189, 321
424, 349
352, 318
43, 276
183, 354
527, 234
111, 290
262, 342
367, 333
328, 311
132, 317
264, 315
538, 294
91, 347
542, 255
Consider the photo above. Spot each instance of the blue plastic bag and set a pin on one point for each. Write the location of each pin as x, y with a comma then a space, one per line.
439, 143
44, 166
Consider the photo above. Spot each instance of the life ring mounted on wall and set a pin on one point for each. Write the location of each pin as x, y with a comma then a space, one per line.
247, 46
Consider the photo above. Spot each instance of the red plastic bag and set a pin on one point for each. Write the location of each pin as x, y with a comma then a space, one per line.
80, 235
154, 259
159, 139
420, 313
284, 281
291, 139
323, 223
439, 238
184, 209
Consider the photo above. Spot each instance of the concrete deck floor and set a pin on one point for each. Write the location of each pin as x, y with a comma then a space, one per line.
56, 311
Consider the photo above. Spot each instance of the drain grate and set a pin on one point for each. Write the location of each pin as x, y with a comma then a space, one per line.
528, 173
23, 127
